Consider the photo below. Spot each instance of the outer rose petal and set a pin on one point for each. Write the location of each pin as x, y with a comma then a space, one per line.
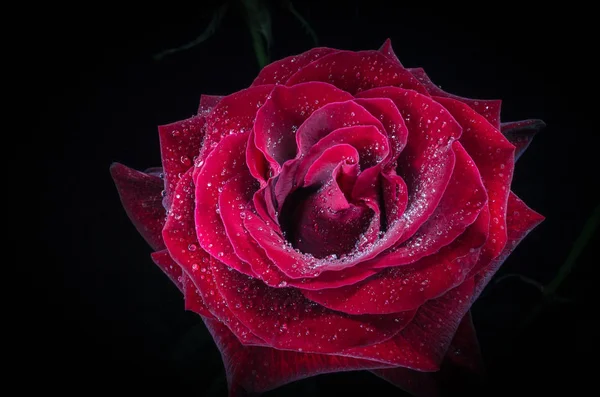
169, 267
463, 354
490, 109
193, 298
425, 341
494, 157
520, 220
208, 102
521, 133
357, 71
387, 50
234, 114
279, 71
259, 369
141, 197
179, 145
224, 162
287, 320
180, 238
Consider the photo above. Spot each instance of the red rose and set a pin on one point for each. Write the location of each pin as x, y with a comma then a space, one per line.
341, 213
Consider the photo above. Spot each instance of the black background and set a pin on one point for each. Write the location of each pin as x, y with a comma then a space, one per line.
101, 96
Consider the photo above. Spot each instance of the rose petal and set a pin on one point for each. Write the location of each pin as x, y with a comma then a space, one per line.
521, 133
370, 143
408, 287
141, 197
387, 50
386, 111
330, 118
179, 145
464, 351
357, 71
233, 200
224, 162
287, 320
193, 298
494, 156
259, 369
208, 102
520, 220
279, 71
427, 161
322, 169
257, 163
169, 267
218, 307
247, 249
490, 109
462, 355
395, 197
284, 111
234, 114
180, 238
154, 171
422, 344
463, 199
324, 223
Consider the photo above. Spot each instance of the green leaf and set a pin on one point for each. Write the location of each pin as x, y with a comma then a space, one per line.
258, 18
585, 236
309, 30
208, 32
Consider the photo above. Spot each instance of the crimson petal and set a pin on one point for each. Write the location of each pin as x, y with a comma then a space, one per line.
408, 287
224, 162
193, 299
179, 145
423, 343
234, 114
259, 369
208, 102
217, 305
169, 267
463, 354
463, 199
233, 200
233, 195
427, 161
387, 50
329, 118
521, 133
520, 220
494, 156
279, 71
287, 320
141, 197
371, 144
357, 71
284, 111
490, 109
386, 111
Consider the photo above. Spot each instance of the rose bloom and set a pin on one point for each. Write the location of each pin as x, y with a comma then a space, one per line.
341, 213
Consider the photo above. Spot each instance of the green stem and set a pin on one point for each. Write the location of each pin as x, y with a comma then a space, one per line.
578, 246
549, 292
258, 19
208, 32
303, 22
